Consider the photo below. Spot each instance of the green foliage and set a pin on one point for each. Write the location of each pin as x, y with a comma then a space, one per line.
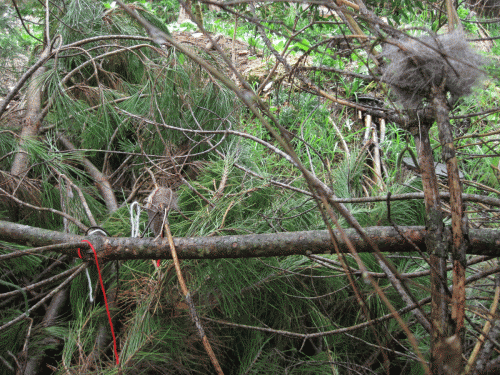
13, 338
7, 144
9, 35
244, 201
166, 10
28, 264
142, 107
13, 45
399, 12
463, 13
81, 335
494, 69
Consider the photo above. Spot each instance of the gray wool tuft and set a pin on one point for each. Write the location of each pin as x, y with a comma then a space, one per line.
415, 67
160, 199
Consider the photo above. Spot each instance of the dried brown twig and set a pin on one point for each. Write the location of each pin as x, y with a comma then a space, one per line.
189, 301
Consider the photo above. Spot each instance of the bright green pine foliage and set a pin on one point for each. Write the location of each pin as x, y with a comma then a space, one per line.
101, 108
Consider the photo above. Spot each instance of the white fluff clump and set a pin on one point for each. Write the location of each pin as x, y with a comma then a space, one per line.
419, 63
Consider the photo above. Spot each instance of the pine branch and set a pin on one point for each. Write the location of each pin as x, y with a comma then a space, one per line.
483, 242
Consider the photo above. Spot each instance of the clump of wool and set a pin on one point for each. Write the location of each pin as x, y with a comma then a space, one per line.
419, 63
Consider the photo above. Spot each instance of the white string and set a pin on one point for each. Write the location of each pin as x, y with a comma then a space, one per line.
91, 232
91, 299
134, 221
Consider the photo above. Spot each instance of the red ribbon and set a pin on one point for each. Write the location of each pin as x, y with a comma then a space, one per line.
105, 299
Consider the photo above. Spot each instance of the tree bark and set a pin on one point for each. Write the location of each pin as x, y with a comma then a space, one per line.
437, 242
483, 242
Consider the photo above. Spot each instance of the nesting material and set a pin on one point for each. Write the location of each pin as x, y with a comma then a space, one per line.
160, 200
419, 63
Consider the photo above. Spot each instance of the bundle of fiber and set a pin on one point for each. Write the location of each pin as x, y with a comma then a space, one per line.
418, 64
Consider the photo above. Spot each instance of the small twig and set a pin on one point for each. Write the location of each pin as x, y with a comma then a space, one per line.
303, 336
41, 283
54, 211
86, 207
44, 299
58, 248
7, 364
377, 163
225, 215
344, 144
486, 329
222, 185
101, 180
368, 125
233, 46
189, 301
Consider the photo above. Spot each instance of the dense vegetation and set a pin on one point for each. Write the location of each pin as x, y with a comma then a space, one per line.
258, 136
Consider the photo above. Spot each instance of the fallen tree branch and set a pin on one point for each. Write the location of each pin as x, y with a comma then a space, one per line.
483, 242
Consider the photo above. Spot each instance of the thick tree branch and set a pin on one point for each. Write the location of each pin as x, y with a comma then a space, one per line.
483, 242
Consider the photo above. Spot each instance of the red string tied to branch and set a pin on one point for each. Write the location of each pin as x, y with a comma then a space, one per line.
105, 298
